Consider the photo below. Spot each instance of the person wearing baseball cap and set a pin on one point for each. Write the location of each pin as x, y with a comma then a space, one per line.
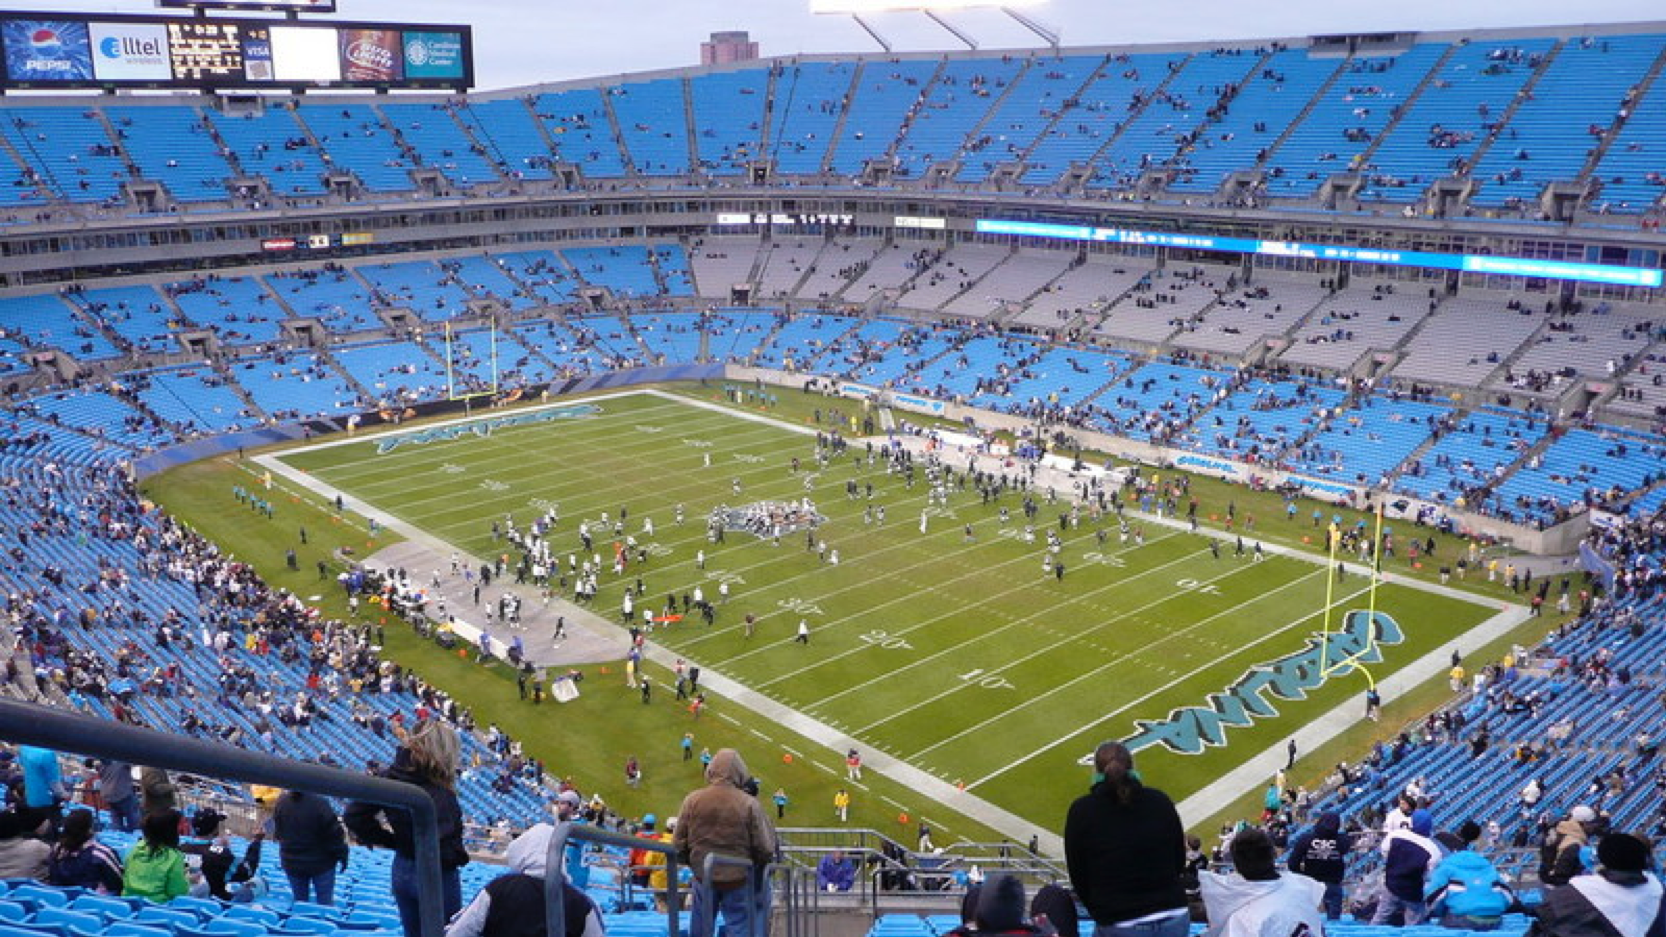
1562, 855
1622, 898
569, 808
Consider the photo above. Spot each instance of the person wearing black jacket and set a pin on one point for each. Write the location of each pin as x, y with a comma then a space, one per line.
1320, 852
428, 758
212, 846
1623, 898
311, 845
1125, 849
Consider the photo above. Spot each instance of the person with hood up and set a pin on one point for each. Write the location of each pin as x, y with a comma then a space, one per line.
995, 907
1408, 858
1320, 852
1623, 898
1465, 891
1562, 855
1126, 849
513, 904
723, 819
1255, 900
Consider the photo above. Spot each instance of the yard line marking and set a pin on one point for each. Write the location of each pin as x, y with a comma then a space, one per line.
1183, 558
1132, 703
1237, 568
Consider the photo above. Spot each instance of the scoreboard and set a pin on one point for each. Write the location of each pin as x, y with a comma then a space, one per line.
61, 50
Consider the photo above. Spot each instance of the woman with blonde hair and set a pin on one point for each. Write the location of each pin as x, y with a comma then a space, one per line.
428, 758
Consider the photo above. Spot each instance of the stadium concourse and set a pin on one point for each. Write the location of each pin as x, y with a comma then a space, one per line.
1419, 269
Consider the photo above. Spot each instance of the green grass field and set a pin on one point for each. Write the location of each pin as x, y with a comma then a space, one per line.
961, 658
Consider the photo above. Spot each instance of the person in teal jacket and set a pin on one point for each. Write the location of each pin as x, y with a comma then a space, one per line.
155, 868
1465, 891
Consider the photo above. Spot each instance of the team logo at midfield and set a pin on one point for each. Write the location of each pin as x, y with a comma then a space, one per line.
768, 518
1190, 730
486, 427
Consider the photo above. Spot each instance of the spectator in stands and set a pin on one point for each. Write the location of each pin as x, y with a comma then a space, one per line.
1320, 852
1255, 900
835, 872
22, 853
1053, 911
311, 845
1465, 892
428, 759
1623, 898
212, 845
1561, 856
513, 905
158, 791
155, 867
43, 783
115, 785
997, 907
1126, 849
78, 858
725, 818
1408, 857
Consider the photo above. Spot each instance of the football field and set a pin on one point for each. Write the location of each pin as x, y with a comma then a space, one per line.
958, 654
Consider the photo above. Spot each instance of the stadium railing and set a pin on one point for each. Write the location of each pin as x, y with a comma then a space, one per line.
60, 730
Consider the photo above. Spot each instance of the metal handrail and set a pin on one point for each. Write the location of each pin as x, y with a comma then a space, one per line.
62, 730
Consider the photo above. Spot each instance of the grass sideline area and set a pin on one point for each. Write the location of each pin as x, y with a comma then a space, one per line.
959, 657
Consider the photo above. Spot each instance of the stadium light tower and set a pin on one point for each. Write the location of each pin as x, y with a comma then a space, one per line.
933, 10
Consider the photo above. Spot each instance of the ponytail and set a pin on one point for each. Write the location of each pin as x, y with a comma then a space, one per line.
1114, 765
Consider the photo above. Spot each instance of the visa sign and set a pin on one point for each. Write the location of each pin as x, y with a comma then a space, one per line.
1190, 730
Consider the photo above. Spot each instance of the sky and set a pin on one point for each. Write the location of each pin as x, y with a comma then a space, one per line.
522, 42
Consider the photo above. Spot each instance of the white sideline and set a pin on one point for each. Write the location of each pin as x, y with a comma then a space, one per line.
1202, 804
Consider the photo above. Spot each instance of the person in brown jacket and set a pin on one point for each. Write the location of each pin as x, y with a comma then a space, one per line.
724, 818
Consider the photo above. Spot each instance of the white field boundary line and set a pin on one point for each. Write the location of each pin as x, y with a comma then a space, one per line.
574, 430
1219, 794
1517, 612
1159, 690
910, 777
516, 454
1097, 626
438, 450
380, 432
986, 812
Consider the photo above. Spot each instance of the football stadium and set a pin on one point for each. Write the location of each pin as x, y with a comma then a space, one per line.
1064, 489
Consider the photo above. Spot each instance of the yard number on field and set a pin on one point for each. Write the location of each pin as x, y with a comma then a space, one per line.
1192, 585
886, 640
987, 681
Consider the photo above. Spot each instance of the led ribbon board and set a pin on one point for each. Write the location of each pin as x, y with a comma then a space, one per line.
1471, 263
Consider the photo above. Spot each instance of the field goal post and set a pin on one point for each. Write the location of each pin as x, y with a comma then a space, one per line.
451, 369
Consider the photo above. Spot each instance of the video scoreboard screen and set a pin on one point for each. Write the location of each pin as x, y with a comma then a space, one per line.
288, 6
94, 51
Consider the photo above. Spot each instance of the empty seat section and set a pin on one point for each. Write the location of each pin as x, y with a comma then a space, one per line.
729, 119
356, 141
441, 143
1027, 108
577, 124
654, 123
174, 146
271, 145
808, 99
510, 135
